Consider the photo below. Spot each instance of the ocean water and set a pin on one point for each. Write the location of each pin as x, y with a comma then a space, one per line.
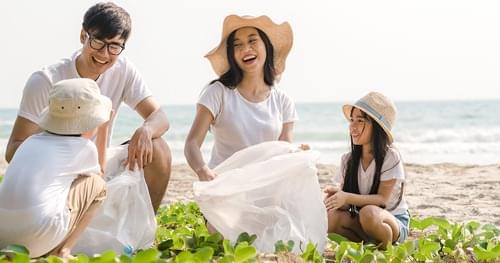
464, 132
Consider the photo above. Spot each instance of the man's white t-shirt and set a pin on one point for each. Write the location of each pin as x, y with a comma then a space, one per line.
239, 123
121, 83
392, 168
34, 191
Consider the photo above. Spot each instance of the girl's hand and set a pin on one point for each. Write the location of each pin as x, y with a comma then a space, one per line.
205, 174
331, 190
336, 201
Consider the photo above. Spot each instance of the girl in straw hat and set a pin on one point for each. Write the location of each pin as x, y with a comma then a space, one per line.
47, 204
369, 203
242, 107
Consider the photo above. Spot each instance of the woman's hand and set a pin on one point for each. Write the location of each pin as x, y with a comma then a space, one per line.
304, 147
205, 174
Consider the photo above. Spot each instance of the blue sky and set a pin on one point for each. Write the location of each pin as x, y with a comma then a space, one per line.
409, 50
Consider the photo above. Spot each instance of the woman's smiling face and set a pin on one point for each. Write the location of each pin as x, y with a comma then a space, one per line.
249, 50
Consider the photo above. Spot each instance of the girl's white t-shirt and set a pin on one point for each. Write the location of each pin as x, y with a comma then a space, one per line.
239, 123
392, 168
34, 192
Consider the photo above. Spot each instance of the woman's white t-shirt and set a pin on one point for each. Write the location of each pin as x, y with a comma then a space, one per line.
392, 168
34, 192
239, 123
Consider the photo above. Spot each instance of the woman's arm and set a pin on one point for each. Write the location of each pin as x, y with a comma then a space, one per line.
195, 139
286, 132
342, 198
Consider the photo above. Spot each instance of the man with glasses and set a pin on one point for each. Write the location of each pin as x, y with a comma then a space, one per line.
105, 30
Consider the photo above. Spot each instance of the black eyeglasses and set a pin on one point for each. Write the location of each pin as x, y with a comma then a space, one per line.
113, 49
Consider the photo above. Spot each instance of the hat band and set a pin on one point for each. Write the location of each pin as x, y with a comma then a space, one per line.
373, 112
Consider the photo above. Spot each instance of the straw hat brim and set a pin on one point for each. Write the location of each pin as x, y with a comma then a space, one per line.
347, 108
280, 35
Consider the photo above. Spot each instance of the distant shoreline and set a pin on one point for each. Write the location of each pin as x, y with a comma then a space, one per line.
330, 102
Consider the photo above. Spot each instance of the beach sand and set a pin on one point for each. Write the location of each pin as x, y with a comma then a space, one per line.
458, 192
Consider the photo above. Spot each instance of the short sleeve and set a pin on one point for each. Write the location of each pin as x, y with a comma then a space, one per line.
211, 98
289, 113
136, 89
35, 97
339, 176
393, 166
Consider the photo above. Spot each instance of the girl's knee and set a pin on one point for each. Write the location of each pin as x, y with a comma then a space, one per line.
370, 216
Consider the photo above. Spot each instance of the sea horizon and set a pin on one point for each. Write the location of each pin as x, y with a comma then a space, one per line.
426, 132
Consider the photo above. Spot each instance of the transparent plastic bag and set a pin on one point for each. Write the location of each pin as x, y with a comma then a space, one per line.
126, 221
271, 190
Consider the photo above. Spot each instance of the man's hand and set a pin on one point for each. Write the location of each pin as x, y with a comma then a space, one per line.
140, 149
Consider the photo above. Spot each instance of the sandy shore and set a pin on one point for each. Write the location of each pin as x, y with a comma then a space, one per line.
459, 193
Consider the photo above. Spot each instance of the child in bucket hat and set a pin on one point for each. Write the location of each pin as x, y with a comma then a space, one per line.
369, 204
53, 199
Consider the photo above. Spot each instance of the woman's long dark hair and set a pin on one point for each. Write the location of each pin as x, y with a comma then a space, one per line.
234, 75
379, 148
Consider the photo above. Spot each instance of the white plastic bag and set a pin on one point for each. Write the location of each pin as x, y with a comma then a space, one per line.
270, 190
126, 221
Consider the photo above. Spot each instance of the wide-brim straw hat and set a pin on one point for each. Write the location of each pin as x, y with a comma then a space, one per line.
380, 108
75, 106
280, 35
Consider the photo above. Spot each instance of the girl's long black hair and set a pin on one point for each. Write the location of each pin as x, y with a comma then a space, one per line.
234, 75
379, 148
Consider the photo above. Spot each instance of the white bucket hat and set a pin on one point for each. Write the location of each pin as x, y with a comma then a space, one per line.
75, 106
379, 108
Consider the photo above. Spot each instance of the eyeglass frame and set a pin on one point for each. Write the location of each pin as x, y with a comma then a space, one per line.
104, 44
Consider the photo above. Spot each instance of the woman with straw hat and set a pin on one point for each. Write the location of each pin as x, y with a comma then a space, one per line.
242, 107
369, 205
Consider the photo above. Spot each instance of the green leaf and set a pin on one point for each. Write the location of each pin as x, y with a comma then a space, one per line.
167, 244
185, 257
54, 259
337, 238
368, 258
342, 251
244, 252
21, 258
204, 254
17, 249
483, 254
227, 259
228, 249
145, 256
245, 237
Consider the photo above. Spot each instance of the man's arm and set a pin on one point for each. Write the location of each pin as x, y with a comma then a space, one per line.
140, 149
154, 118
23, 128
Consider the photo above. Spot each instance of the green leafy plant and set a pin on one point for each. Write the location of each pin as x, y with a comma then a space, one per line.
281, 246
182, 236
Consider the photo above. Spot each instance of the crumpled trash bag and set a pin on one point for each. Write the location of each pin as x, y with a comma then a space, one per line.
271, 190
126, 221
